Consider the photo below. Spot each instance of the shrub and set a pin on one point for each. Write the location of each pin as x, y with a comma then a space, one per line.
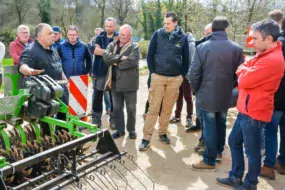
143, 48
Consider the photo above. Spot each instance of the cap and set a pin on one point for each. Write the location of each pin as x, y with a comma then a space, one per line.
56, 29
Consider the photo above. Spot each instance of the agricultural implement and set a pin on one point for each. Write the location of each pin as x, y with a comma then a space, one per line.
40, 151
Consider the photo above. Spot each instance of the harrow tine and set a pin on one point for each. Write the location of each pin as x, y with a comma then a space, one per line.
103, 173
101, 180
89, 183
119, 173
92, 178
110, 178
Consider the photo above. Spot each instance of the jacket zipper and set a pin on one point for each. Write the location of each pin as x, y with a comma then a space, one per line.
73, 57
246, 102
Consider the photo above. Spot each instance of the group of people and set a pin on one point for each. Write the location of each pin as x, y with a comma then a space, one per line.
213, 69
220, 78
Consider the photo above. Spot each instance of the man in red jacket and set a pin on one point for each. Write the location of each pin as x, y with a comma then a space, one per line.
258, 80
22, 40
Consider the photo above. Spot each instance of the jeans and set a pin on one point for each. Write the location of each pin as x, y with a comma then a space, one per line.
281, 157
246, 131
271, 142
214, 124
107, 100
200, 118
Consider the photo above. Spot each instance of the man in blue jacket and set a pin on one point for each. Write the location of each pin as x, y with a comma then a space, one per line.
168, 63
75, 56
100, 70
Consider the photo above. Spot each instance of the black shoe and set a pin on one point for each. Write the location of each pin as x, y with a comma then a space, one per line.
144, 145
192, 129
132, 135
118, 134
164, 139
229, 182
247, 187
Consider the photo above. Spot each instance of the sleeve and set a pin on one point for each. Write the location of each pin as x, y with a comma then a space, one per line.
132, 60
88, 60
196, 72
240, 60
13, 53
151, 52
192, 49
110, 58
2, 54
2, 51
59, 51
185, 58
27, 58
251, 77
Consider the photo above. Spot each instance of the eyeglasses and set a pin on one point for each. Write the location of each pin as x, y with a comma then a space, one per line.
26, 33
124, 35
72, 34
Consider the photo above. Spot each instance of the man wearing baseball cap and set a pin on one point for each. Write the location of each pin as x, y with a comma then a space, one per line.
57, 33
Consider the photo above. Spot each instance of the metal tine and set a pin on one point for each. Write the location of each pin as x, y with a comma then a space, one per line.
103, 172
89, 183
123, 164
130, 157
101, 180
110, 178
89, 177
122, 177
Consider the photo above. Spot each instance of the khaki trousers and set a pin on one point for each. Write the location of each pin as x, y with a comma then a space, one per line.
166, 89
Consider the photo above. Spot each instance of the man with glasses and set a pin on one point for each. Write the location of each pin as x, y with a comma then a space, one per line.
123, 56
75, 56
22, 40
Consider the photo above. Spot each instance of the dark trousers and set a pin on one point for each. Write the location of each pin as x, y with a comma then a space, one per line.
214, 125
199, 121
97, 106
119, 100
271, 141
246, 131
184, 91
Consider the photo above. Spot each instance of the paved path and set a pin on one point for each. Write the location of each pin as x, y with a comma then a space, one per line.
169, 165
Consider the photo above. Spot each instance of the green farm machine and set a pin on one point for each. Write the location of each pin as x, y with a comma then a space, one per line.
39, 151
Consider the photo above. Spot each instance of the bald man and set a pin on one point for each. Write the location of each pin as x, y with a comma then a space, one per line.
40, 57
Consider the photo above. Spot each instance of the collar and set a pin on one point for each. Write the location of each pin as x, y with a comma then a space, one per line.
279, 46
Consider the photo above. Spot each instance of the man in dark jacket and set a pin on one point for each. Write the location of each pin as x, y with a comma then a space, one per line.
168, 63
75, 56
212, 75
271, 128
100, 70
123, 56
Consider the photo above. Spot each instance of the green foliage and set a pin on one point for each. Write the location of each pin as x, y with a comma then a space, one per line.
143, 48
7, 62
7, 37
44, 11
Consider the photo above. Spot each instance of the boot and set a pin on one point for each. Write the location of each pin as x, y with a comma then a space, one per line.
267, 172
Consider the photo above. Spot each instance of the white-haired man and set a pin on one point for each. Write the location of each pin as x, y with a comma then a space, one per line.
123, 56
22, 40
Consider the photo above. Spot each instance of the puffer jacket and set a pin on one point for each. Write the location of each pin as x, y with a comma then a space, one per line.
76, 59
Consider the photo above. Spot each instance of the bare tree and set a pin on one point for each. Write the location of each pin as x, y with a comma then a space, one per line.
22, 7
101, 5
121, 8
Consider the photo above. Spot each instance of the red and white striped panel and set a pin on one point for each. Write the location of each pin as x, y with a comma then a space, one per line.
78, 87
